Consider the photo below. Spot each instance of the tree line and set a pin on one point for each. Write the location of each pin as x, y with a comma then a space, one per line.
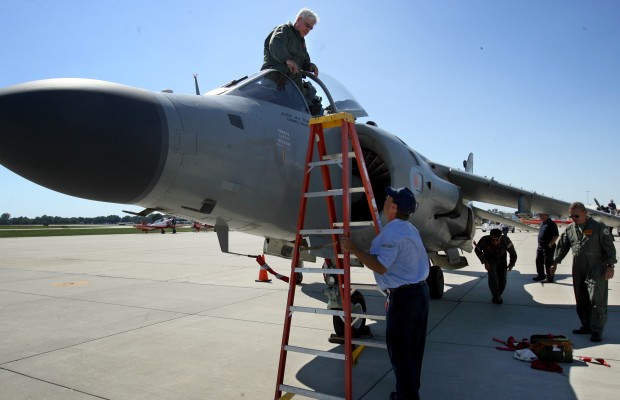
6, 219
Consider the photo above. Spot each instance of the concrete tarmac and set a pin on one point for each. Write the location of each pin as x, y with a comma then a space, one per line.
125, 317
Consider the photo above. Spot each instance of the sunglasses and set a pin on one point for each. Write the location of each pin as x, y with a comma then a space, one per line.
575, 216
308, 25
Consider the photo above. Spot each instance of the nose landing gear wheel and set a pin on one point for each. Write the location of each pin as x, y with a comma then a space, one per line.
358, 305
435, 282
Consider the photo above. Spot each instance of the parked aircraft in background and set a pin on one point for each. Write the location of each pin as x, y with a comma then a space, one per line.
235, 158
197, 227
537, 221
160, 224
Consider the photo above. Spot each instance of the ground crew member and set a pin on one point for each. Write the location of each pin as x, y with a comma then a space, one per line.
594, 258
547, 236
491, 250
400, 265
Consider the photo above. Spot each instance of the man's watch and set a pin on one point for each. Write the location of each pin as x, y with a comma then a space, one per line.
610, 266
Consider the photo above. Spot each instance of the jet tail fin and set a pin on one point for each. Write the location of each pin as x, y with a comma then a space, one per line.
469, 163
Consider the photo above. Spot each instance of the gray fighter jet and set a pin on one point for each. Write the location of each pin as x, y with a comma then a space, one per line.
234, 158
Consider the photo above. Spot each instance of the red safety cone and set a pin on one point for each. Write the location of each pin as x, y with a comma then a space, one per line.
262, 275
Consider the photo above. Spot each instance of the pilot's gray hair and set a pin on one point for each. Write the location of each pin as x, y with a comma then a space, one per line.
578, 205
308, 14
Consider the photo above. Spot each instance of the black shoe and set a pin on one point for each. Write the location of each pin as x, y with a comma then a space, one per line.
496, 300
596, 337
539, 278
582, 331
393, 396
549, 279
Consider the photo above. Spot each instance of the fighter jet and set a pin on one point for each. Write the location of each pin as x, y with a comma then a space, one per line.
235, 158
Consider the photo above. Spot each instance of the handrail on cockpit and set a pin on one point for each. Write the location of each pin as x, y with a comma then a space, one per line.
308, 74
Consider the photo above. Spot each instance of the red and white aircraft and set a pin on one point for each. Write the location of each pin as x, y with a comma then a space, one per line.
160, 224
537, 221
197, 227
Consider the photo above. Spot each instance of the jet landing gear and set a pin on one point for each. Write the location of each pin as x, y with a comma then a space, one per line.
435, 282
358, 305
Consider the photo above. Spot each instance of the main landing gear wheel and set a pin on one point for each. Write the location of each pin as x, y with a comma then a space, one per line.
300, 277
435, 282
358, 305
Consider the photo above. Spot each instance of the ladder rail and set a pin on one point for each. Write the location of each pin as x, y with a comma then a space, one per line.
294, 263
348, 141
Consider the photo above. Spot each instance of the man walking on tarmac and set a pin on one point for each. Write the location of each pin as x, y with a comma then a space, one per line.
594, 256
547, 235
400, 265
491, 250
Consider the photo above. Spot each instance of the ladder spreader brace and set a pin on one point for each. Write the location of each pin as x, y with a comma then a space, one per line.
349, 140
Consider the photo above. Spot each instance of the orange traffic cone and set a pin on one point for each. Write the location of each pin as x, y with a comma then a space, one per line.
262, 276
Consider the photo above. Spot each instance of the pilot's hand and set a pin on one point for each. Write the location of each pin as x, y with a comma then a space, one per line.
554, 267
314, 69
487, 266
609, 273
510, 267
292, 66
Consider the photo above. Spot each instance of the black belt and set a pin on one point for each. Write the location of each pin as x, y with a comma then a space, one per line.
392, 290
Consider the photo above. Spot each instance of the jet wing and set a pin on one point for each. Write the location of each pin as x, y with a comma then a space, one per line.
498, 218
488, 190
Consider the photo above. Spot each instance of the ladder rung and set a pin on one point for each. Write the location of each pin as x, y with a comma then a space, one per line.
368, 316
321, 231
314, 352
369, 343
340, 313
338, 156
328, 271
364, 286
313, 310
355, 223
308, 393
334, 192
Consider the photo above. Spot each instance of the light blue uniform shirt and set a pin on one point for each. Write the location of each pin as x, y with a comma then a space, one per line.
399, 248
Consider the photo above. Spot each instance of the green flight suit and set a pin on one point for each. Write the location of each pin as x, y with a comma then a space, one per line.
593, 249
496, 256
284, 43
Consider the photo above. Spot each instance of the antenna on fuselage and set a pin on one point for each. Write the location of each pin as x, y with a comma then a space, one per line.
196, 84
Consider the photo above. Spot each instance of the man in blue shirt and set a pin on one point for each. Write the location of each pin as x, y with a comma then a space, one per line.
398, 259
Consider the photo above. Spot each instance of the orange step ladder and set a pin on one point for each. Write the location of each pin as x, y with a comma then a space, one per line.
351, 148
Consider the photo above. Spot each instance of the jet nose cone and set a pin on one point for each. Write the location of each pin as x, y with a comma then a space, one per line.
90, 139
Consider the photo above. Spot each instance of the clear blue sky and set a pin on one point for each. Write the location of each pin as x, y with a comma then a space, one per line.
531, 87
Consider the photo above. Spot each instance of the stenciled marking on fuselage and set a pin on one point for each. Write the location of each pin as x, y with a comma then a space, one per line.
283, 141
295, 119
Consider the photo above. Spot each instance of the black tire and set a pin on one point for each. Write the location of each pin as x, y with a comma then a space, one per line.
300, 278
435, 282
358, 305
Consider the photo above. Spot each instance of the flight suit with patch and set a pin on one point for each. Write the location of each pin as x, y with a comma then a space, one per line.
593, 249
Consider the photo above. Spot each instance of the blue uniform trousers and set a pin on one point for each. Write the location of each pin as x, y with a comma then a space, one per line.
407, 318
